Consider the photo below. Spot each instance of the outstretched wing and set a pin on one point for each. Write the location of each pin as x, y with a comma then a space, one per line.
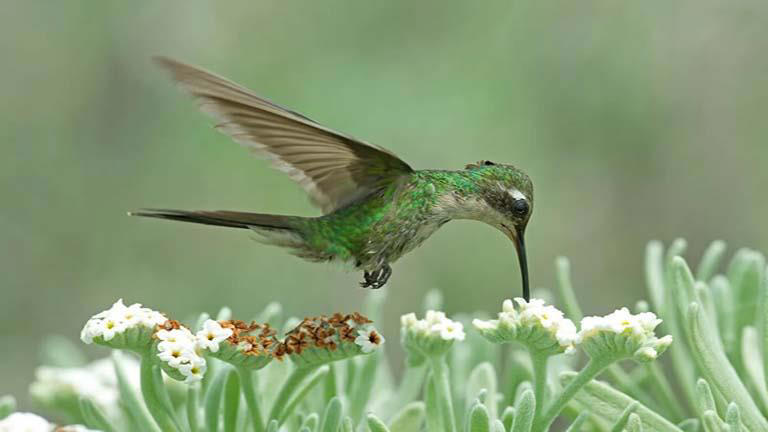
333, 168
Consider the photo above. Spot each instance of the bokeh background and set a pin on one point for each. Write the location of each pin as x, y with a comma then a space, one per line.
636, 120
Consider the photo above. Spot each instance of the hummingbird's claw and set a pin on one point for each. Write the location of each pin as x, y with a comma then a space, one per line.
377, 278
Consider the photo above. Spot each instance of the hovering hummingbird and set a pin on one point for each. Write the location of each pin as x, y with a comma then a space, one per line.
376, 208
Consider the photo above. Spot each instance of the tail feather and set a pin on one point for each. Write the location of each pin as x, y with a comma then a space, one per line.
223, 218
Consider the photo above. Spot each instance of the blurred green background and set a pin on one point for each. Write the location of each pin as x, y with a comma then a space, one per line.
636, 120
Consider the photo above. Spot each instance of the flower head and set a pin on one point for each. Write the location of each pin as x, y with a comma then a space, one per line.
250, 345
431, 336
624, 334
25, 422
123, 327
179, 354
540, 327
319, 340
212, 334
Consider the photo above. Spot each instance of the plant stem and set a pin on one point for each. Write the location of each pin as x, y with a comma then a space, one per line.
443, 392
539, 363
151, 399
591, 370
246, 384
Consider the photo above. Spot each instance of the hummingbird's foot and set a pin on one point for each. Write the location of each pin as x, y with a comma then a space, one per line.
377, 278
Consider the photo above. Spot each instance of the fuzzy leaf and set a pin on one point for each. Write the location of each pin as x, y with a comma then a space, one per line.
508, 417
712, 422
497, 426
346, 425
134, 407
231, 400
634, 424
525, 411
483, 377
375, 424
93, 416
608, 403
578, 422
409, 419
718, 370
332, 416
689, 425
710, 260
565, 289
311, 421
273, 426
618, 426
705, 400
213, 400
733, 418
479, 420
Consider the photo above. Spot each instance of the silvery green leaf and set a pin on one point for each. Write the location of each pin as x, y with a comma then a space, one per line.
305, 429
410, 418
578, 422
59, 351
690, 425
362, 387
753, 363
483, 377
434, 421
525, 411
712, 422
608, 403
521, 389
634, 424
312, 421
301, 392
213, 399
433, 300
332, 416
704, 400
722, 296
346, 425
565, 289
508, 417
7, 406
654, 273
710, 260
192, 408
231, 400
225, 313
272, 314
719, 372
497, 426
94, 418
518, 370
478, 420
375, 424
134, 407
618, 426
733, 418
273, 426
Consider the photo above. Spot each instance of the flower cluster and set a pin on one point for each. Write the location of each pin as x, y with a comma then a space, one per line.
180, 351
250, 345
623, 333
431, 336
540, 327
28, 422
318, 340
125, 327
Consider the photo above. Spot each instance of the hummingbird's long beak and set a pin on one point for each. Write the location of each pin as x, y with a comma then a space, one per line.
518, 238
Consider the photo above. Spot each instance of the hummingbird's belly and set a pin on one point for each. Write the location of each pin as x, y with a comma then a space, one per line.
393, 245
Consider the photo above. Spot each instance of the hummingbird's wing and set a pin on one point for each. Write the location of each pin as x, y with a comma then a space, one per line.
333, 168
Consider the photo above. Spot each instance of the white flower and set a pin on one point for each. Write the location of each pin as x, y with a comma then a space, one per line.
95, 381
75, 428
369, 340
193, 370
532, 323
116, 320
629, 335
178, 350
449, 330
435, 317
408, 320
212, 335
25, 422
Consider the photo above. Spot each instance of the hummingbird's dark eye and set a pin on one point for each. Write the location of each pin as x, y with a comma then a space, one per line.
520, 207
488, 163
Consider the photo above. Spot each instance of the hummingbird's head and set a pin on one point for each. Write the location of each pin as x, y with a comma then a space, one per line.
507, 203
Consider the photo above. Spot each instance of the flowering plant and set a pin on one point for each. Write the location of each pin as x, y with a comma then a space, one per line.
531, 368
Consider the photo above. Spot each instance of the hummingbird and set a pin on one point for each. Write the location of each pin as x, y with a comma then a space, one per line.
375, 207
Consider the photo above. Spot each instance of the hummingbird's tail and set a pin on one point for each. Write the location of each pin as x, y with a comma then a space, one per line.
223, 218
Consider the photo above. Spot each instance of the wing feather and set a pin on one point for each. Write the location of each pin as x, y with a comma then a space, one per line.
334, 169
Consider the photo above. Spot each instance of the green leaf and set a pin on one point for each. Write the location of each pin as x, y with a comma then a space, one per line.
409, 419
710, 260
362, 387
580, 420
288, 390
712, 422
733, 418
193, 410
434, 421
93, 416
346, 425
608, 403
7, 406
565, 289
376, 425
525, 411
133, 406
634, 424
483, 377
719, 372
689, 425
618, 426
332, 416
312, 421
497, 426
704, 400
231, 400
60, 351
508, 417
273, 426
479, 420
213, 399
302, 392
